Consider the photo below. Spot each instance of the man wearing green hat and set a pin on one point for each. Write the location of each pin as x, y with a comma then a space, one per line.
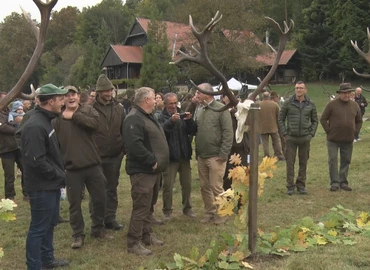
44, 176
109, 139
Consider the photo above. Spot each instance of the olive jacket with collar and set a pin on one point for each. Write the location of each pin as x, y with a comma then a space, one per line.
109, 135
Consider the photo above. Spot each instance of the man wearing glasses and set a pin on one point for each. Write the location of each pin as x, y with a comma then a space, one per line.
298, 123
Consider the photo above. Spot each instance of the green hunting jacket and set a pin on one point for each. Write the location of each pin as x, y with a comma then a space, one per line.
214, 132
298, 119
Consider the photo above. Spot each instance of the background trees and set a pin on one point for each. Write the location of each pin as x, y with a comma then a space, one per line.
78, 40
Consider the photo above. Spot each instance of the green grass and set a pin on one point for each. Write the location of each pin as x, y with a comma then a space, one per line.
181, 234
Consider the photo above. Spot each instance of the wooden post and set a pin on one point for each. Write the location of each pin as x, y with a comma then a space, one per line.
253, 180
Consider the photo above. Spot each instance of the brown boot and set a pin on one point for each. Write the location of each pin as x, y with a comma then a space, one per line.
78, 241
152, 241
102, 234
140, 250
220, 219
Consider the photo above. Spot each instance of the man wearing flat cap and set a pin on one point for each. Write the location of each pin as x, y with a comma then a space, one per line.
109, 139
44, 176
341, 119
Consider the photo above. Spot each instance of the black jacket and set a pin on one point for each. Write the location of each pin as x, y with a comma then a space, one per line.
7, 131
145, 143
177, 135
43, 164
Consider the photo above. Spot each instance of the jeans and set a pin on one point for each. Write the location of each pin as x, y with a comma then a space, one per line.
44, 217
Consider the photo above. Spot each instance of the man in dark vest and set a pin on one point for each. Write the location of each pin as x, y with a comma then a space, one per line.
147, 156
109, 139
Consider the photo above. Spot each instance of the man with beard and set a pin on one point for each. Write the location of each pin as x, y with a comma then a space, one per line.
44, 176
75, 129
147, 157
109, 140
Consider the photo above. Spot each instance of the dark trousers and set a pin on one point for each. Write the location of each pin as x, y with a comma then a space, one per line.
345, 150
183, 168
44, 217
8, 160
142, 186
94, 180
302, 144
111, 169
156, 189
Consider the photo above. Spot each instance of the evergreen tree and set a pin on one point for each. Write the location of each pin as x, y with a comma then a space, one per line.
156, 70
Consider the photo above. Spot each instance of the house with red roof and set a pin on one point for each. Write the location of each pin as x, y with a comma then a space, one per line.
124, 61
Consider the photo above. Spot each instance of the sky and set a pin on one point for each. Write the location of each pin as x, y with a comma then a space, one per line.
9, 6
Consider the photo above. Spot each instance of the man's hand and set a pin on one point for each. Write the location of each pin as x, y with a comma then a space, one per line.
155, 166
67, 114
175, 117
18, 119
220, 159
188, 116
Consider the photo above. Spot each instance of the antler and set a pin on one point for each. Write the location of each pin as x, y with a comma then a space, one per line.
202, 59
323, 87
283, 39
45, 11
363, 54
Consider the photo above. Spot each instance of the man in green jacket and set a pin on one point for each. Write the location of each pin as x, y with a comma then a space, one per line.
109, 139
341, 119
298, 123
213, 143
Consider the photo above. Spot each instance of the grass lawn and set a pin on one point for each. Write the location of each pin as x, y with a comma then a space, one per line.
182, 233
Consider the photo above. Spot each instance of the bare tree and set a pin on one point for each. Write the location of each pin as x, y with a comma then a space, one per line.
40, 33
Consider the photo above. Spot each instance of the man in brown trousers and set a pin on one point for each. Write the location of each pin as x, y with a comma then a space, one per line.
109, 140
147, 156
75, 129
269, 115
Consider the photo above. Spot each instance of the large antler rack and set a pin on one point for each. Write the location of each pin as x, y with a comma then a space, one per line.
283, 39
202, 58
40, 33
363, 54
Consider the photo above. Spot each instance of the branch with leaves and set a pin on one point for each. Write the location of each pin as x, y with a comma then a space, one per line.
6, 208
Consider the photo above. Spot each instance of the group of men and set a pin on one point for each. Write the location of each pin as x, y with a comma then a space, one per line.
68, 144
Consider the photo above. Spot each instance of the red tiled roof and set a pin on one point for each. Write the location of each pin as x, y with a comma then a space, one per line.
183, 32
241, 35
268, 59
129, 54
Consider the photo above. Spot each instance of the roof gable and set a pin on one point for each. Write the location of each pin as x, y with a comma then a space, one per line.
269, 59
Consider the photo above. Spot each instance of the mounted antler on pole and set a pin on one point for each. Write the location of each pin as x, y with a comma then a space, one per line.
202, 58
40, 33
363, 54
324, 89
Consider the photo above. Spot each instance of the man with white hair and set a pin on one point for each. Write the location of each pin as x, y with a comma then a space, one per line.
362, 103
147, 156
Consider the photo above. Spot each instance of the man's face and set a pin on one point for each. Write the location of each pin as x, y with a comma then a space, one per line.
225, 100
106, 95
150, 102
300, 90
71, 100
171, 104
345, 96
358, 91
201, 97
57, 104
26, 105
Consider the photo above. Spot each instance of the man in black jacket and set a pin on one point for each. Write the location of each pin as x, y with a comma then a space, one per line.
147, 156
362, 103
44, 176
177, 127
